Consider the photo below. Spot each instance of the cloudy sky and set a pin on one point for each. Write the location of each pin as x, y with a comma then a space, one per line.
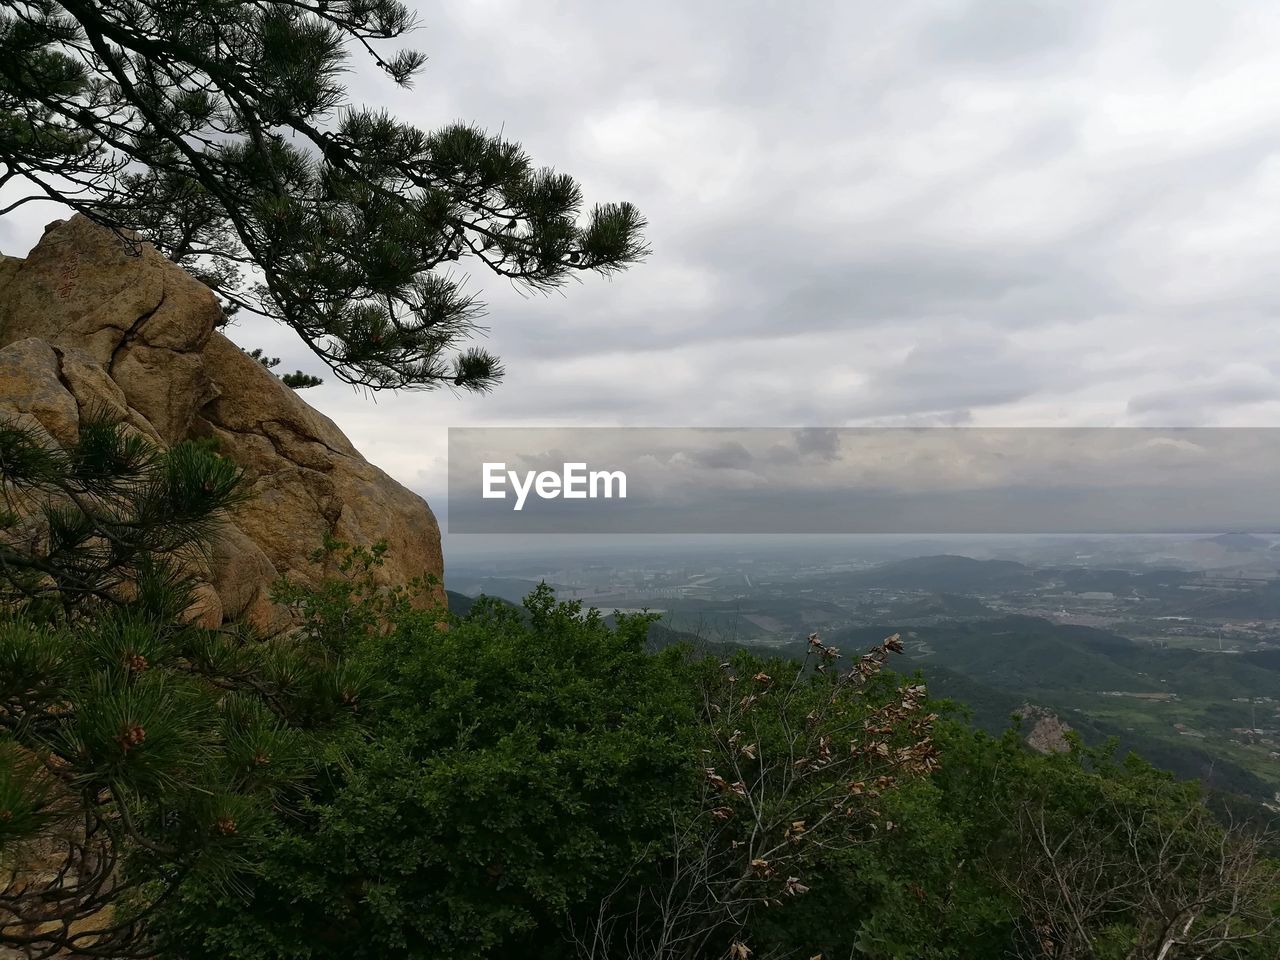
977, 212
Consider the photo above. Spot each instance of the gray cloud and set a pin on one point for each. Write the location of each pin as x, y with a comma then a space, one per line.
821, 442
722, 456
1008, 33
1242, 385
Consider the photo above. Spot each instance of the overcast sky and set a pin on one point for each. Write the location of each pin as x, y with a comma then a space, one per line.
997, 212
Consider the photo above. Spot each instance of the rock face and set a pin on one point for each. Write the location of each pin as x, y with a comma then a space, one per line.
88, 322
1048, 734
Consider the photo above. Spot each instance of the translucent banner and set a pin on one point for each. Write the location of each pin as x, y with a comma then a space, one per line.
863, 480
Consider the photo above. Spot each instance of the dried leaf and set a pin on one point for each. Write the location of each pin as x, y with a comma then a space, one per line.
795, 888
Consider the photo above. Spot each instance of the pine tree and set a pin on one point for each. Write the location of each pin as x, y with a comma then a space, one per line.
297, 380
220, 131
137, 750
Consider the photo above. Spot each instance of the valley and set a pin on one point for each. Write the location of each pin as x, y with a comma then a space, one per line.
1169, 645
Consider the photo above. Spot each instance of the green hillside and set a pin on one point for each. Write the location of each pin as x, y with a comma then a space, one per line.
1178, 708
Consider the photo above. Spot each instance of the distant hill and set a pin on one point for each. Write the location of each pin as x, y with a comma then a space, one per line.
661, 636
949, 605
508, 588
1040, 658
762, 615
947, 574
1090, 678
460, 604
1239, 541
989, 708
1267, 659
1032, 654
1161, 583
1261, 603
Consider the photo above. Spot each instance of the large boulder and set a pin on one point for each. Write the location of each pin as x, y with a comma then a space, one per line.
93, 321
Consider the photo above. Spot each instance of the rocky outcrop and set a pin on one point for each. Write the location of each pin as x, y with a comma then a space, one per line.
90, 322
1048, 733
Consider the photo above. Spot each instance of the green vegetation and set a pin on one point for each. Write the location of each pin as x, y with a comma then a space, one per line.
516, 765
297, 380
138, 751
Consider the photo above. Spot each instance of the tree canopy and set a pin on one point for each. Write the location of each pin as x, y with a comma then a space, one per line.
220, 130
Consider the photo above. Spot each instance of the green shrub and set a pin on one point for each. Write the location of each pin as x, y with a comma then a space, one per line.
519, 763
